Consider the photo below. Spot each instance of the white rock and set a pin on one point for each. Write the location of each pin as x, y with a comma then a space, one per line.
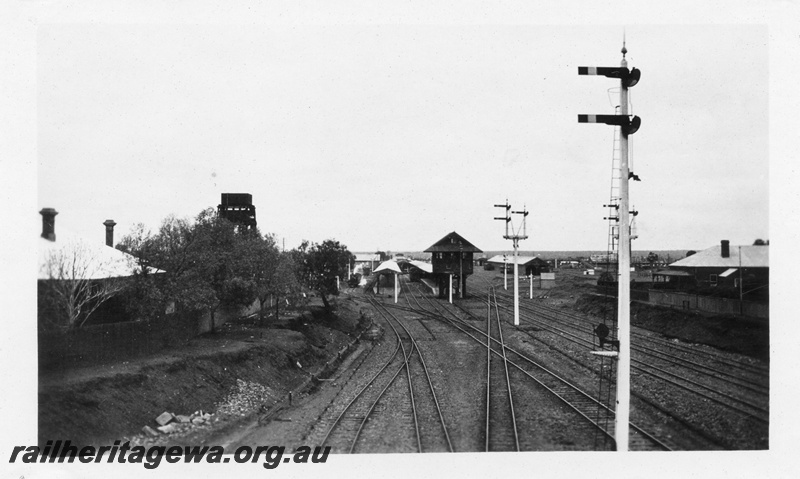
168, 429
164, 418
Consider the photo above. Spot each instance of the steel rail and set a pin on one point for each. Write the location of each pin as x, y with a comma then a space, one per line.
637, 429
649, 369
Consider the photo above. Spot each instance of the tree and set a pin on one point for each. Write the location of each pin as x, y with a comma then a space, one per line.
207, 263
760, 242
321, 264
287, 285
76, 285
690, 252
169, 249
221, 268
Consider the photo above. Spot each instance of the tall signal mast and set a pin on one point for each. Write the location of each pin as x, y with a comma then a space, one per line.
628, 125
515, 236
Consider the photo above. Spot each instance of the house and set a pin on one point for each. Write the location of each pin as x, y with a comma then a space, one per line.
83, 273
744, 269
451, 260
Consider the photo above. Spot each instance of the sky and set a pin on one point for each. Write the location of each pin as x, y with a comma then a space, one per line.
388, 137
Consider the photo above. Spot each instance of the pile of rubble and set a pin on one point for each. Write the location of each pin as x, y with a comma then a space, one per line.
170, 423
246, 398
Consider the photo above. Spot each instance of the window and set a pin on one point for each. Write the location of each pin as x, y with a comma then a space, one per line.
712, 279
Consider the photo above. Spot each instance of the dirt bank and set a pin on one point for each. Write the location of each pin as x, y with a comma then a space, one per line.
729, 333
242, 369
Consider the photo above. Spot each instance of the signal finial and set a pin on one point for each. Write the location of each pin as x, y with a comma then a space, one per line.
624, 50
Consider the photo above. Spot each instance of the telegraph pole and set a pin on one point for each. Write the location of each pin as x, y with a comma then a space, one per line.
515, 237
628, 125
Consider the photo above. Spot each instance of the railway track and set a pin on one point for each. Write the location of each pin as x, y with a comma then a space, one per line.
719, 386
395, 391
748, 370
501, 434
581, 403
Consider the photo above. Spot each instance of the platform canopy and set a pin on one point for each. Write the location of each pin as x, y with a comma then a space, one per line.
388, 266
426, 267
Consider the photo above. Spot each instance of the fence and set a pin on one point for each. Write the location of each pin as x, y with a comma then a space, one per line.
710, 304
117, 341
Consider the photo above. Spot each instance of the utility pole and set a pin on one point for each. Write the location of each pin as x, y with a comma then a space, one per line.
514, 237
628, 125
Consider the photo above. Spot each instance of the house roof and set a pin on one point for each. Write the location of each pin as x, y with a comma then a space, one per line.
453, 242
751, 257
521, 260
368, 257
90, 259
666, 272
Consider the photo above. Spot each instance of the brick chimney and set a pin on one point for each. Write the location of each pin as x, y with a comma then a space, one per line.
110, 232
49, 223
726, 249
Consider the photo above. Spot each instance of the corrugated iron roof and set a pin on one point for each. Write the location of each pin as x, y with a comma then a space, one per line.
521, 260
752, 257
453, 242
427, 267
91, 259
367, 257
388, 266
666, 272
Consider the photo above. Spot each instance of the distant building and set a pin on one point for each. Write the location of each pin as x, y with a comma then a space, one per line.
526, 265
366, 262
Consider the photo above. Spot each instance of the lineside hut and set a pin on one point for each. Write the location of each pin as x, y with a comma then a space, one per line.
452, 255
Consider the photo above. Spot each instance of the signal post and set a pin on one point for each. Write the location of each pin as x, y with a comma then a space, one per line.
628, 125
514, 237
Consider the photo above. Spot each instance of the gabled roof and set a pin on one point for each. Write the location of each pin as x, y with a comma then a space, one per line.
453, 242
752, 257
521, 260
